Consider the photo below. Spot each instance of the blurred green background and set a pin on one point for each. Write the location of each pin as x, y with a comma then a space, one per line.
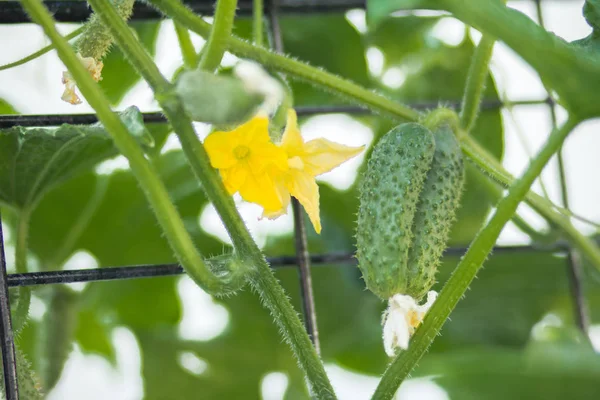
513, 335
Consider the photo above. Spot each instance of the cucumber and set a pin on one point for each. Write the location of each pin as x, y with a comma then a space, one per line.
436, 211
389, 194
408, 200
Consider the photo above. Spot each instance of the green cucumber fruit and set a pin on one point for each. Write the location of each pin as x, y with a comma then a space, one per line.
408, 198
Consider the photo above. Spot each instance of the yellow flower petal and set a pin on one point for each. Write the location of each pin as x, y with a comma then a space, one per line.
291, 140
255, 131
260, 189
235, 177
304, 187
322, 155
284, 195
219, 146
267, 154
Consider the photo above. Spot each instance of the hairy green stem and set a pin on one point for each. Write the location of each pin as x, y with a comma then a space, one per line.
96, 39
239, 47
219, 35
478, 72
258, 22
467, 269
551, 56
261, 277
41, 51
24, 300
190, 58
492, 167
145, 173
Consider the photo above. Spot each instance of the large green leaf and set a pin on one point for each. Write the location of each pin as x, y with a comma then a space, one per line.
543, 371
118, 76
413, 31
33, 160
327, 41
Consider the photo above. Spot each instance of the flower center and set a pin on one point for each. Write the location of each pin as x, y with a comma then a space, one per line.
241, 152
414, 318
296, 163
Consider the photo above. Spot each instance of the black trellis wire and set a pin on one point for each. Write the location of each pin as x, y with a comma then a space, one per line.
77, 11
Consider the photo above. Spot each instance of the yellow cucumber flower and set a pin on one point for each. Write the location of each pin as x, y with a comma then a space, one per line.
306, 161
248, 162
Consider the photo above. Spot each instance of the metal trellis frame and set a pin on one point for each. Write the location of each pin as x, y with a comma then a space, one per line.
11, 12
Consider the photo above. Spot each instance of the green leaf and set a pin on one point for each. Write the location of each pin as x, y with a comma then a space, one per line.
33, 160
93, 336
543, 371
58, 327
591, 12
327, 41
118, 76
379, 10
6, 108
221, 100
412, 29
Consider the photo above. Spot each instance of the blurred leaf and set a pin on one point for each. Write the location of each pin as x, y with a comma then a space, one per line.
591, 12
93, 336
412, 29
542, 371
58, 326
118, 76
327, 41
215, 99
379, 10
33, 160
6, 108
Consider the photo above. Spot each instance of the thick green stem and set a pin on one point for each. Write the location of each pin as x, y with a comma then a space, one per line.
545, 208
219, 35
478, 72
257, 22
145, 173
190, 58
176, 10
24, 300
261, 277
467, 269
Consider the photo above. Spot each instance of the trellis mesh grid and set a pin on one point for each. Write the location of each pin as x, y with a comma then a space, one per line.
11, 12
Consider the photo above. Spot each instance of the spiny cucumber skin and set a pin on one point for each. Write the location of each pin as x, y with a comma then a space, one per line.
96, 39
389, 194
436, 210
